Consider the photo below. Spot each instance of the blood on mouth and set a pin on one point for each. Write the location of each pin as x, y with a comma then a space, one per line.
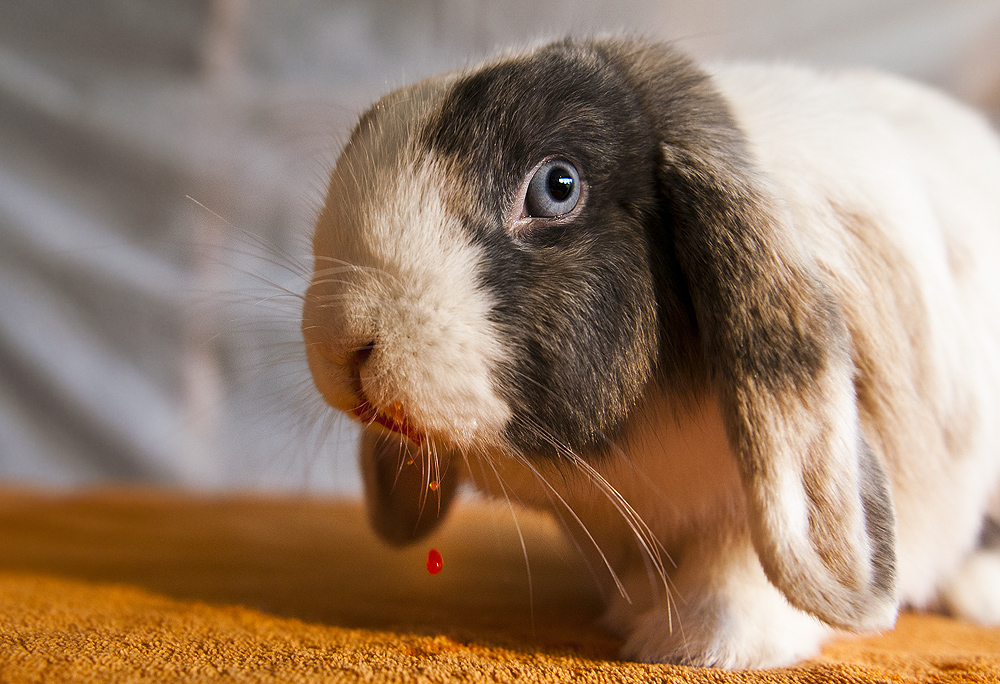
392, 418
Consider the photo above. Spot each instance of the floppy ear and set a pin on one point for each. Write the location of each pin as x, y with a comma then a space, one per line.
402, 506
776, 350
778, 354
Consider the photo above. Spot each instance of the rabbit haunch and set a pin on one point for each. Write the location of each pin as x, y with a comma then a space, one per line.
758, 361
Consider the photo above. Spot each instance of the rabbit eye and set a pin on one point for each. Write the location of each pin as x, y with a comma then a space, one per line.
554, 190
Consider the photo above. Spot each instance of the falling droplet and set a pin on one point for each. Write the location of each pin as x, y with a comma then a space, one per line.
434, 561
433, 484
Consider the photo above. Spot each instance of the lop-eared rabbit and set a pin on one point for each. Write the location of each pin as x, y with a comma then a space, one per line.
736, 326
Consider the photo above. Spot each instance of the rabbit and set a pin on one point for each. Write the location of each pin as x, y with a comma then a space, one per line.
736, 326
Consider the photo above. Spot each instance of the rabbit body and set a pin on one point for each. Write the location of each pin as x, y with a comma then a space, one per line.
752, 367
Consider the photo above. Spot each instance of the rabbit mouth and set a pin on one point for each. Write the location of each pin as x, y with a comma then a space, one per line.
392, 418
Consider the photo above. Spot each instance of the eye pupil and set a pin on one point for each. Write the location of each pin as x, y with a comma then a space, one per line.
560, 184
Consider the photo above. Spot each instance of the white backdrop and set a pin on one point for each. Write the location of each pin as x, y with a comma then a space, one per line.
160, 162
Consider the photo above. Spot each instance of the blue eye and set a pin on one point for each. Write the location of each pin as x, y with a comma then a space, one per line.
554, 190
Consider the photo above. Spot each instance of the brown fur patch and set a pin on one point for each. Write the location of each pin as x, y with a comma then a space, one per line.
888, 322
838, 554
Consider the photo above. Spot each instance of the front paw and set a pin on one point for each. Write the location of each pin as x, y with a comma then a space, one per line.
749, 626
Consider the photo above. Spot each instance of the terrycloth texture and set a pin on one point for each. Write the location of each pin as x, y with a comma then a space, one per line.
146, 586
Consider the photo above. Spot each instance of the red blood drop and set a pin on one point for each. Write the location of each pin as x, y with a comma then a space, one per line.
434, 562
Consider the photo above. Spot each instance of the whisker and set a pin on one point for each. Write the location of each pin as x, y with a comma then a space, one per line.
652, 546
357, 268
653, 549
520, 536
335, 281
279, 257
438, 475
597, 547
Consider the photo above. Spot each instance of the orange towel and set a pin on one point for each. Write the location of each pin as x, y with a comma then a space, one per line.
153, 586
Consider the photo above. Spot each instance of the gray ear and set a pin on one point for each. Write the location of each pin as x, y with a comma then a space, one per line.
397, 475
777, 350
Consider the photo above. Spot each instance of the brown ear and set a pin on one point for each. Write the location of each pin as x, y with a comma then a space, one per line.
403, 503
777, 350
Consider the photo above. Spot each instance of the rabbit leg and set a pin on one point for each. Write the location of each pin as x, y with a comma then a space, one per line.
725, 613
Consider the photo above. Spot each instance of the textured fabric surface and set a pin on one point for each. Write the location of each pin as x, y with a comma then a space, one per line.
152, 586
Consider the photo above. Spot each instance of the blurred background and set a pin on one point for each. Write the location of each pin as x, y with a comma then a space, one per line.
161, 162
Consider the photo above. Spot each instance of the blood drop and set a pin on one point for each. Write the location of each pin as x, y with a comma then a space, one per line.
434, 561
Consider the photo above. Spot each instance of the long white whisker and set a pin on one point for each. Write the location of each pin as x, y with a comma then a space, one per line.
366, 270
583, 526
654, 550
520, 536
651, 544
281, 258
